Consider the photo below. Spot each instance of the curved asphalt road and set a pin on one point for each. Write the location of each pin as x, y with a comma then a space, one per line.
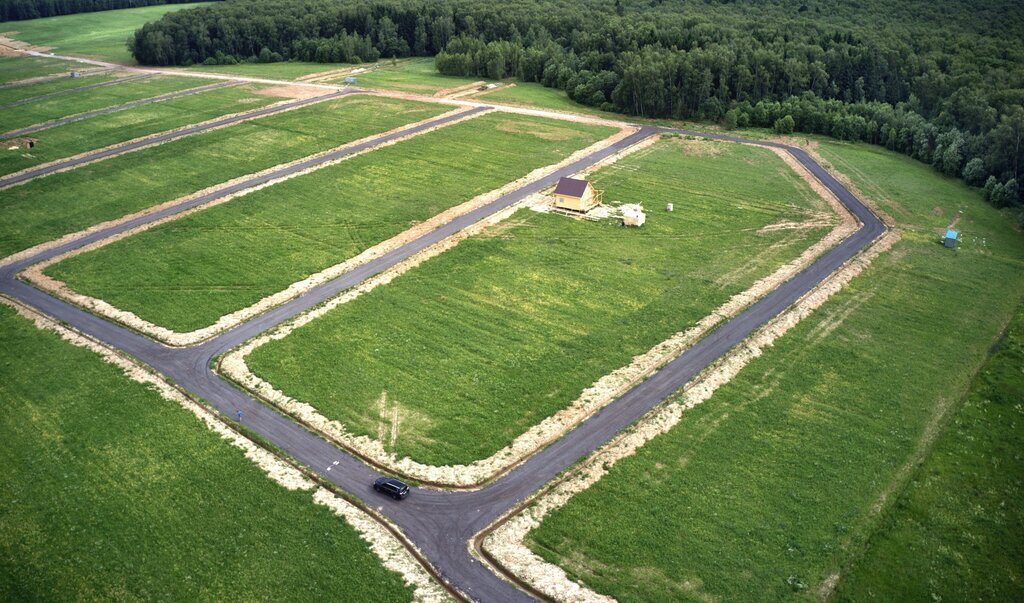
441, 524
129, 105
66, 164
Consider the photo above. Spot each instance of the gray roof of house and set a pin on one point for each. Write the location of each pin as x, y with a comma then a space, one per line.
571, 187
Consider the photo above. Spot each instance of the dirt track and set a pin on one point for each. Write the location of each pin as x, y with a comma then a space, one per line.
442, 524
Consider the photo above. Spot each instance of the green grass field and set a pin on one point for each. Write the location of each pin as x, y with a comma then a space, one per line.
187, 273
47, 208
288, 70
536, 95
29, 91
483, 342
112, 492
88, 100
97, 132
769, 487
99, 35
19, 68
417, 75
958, 532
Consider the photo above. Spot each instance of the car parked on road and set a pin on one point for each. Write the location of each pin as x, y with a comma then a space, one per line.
392, 487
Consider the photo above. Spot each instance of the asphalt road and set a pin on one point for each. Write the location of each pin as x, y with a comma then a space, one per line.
33, 99
66, 164
129, 105
441, 524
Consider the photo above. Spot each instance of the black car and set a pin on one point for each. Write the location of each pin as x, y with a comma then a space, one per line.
392, 487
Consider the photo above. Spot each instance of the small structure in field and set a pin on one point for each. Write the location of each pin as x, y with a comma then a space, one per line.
350, 80
578, 195
951, 239
633, 215
75, 74
24, 144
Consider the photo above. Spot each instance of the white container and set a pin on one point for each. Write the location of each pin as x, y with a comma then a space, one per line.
668, 207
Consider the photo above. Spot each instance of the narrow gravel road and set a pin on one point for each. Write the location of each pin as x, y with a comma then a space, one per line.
113, 109
106, 153
441, 524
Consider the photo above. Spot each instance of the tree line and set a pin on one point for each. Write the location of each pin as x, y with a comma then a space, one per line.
941, 81
19, 10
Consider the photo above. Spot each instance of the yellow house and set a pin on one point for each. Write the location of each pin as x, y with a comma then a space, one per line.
576, 195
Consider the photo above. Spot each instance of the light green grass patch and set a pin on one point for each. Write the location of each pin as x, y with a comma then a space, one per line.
417, 75
29, 91
89, 100
103, 130
16, 68
769, 487
99, 35
185, 274
112, 492
481, 343
56, 205
536, 95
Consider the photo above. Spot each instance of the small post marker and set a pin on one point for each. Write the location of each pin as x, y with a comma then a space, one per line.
238, 414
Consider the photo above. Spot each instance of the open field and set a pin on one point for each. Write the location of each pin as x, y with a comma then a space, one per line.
535, 95
103, 130
187, 273
26, 92
953, 531
112, 492
98, 35
481, 343
416, 75
88, 100
288, 70
47, 208
14, 68
776, 483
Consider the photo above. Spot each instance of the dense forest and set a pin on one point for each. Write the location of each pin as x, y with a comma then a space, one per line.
18, 10
942, 81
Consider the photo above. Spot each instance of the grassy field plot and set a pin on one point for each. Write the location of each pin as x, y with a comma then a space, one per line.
28, 91
185, 274
112, 492
288, 70
536, 95
417, 75
16, 68
49, 207
88, 100
484, 341
99, 35
120, 126
772, 485
954, 530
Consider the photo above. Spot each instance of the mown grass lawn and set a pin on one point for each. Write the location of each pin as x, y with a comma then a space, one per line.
187, 273
103, 130
29, 91
49, 207
112, 492
89, 100
536, 95
19, 68
958, 532
99, 35
484, 341
417, 75
768, 488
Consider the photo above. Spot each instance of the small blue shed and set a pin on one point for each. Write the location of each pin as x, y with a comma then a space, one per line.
350, 80
950, 240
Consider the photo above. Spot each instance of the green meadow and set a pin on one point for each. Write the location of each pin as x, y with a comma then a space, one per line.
14, 68
416, 75
112, 492
46, 208
187, 273
75, 102
774, 486
479, 344
26, 92
113, 128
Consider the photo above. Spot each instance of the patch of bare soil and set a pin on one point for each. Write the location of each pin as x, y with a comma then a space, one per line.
296, 92
35, 273
392, 553
454, 91
10, 47
699, 148
506, 543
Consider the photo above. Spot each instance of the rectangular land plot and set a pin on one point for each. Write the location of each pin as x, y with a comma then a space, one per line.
26, 92
484, 341
774, 484
416, 75
16, 68
112, 492
75, 102
186, 274
49, 207
104, 130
